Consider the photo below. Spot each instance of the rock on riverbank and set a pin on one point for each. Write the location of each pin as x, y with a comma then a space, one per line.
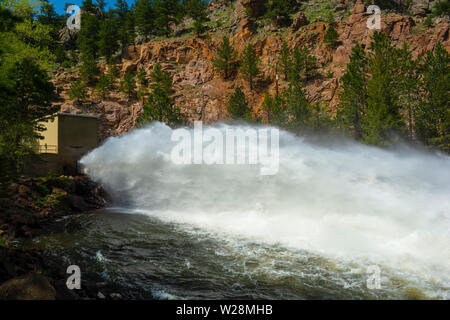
29, 208
33, 203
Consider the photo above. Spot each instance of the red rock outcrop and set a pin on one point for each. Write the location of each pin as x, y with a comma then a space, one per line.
200, 88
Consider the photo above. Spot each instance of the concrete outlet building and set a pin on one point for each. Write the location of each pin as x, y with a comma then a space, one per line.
67, 138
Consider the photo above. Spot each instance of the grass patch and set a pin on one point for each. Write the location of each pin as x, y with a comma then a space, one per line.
319, 10
418, 29
55, 200
4, 243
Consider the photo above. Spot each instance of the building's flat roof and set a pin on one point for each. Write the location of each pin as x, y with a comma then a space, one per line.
65, 114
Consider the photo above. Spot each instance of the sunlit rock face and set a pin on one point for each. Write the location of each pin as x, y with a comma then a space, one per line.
199, 86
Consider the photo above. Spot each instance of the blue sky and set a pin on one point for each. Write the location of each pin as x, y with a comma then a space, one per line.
59, 4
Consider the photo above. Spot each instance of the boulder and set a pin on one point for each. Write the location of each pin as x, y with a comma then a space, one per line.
31, 287
300, 20
80, 186
78, 203
359, 7
128, 66
420, 7
256, 7
23, 189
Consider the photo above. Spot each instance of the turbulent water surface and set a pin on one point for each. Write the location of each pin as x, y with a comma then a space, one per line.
311, 231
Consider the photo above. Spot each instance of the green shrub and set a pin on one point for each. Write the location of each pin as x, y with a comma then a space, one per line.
238, 107
441, 8
128, 85
55, 200
428, 21
103, 86
89, 69
66, 64
4, 243
78, 91
331, 37
318, 11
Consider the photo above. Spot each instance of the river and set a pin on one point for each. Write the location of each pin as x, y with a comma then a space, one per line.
332, 222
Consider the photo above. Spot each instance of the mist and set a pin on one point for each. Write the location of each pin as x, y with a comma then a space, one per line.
348, 201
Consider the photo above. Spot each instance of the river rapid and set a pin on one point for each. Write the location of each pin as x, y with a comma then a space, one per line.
337, 221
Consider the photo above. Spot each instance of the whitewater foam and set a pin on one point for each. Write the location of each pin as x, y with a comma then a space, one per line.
348, 200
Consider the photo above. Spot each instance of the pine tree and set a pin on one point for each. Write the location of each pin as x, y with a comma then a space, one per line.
88, 7
25, 100
238, 107
121, 8
249, 64
78, 91
428, 22
278, 11
127, 30
297, 67
433, 119
160, 105
304, 65
275, 109
353, 106
89, 69
128, 85
161, 79
88, 36
384, 119
441, 8
144, 17
331, 37
166, 12
409, 87
60, 54
48, 15
125, 21
7, 20
107, 45
196, 9
100, 5
225, 59
103, 86
142, 92
33, 92
112, 74
199, 27
142, 77
285, 60
298, 108
268, 104
311, 66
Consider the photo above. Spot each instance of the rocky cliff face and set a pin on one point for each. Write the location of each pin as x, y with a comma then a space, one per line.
198, 86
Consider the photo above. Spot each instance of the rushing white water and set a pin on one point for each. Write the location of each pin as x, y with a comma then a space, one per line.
347, 201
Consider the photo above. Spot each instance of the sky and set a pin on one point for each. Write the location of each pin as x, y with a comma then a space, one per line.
59, 4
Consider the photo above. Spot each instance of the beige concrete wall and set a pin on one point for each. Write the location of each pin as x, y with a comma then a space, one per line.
50, 142
68, 137
77, 131
77, 135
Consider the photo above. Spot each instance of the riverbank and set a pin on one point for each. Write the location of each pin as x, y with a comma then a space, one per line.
30, 208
